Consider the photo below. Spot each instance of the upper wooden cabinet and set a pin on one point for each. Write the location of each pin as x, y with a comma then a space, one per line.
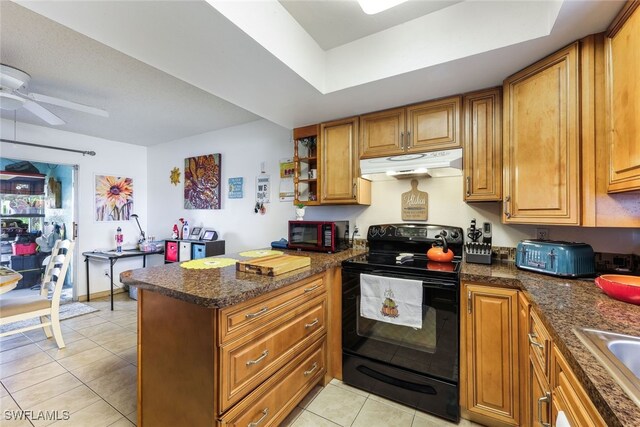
429, 126
489, 348
541, 142
623, 100
339, 164
483, 145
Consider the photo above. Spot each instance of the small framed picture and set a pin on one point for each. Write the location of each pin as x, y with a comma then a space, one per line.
209, 235
195, 233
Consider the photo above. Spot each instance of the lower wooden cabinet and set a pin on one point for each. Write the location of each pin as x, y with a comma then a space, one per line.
247, 364
489, 380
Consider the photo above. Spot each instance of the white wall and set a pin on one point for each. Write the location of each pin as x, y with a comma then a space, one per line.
243, 149
445, 206
112, 158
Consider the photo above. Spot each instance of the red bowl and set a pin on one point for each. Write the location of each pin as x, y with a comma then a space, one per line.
620, 287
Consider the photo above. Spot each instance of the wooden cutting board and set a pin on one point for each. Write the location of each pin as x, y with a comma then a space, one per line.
272, 265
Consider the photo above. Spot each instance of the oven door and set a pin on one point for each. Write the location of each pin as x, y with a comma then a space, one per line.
430, 350
418, 367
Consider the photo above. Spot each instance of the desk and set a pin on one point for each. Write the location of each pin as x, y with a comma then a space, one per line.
8, 279
113, 257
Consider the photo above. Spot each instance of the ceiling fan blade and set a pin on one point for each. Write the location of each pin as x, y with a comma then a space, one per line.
43, 113
68, 104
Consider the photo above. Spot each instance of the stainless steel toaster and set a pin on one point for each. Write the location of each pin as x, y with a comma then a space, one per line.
564, 259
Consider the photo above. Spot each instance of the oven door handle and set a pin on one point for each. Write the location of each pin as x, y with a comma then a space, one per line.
407, 385
432, 282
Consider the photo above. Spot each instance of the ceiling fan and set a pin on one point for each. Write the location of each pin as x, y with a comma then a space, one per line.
13, 95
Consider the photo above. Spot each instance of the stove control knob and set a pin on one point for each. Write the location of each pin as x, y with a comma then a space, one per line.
455, 235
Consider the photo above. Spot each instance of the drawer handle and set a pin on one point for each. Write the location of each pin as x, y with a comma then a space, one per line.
533, 342
311, 289
312, 324
259, 359
265, 412
546, 398
257, 313
310, 371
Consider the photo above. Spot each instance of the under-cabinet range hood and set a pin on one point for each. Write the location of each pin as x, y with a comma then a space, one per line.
433, 164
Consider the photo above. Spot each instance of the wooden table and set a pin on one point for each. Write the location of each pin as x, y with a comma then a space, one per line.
8, 279
113, 257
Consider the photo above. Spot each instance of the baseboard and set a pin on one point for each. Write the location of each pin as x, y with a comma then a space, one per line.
96, 295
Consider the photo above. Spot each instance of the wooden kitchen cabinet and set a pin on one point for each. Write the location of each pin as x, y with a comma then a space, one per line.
428, 126
250, 361
489, 378
339, 164
483, 145
542, 142
622, 53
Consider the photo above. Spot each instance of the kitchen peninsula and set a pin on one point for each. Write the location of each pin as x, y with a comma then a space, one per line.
218, 344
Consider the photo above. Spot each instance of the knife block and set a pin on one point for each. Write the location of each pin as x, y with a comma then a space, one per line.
472, 253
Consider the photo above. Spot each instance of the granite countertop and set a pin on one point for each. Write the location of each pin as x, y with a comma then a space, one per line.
222, 287
565, 304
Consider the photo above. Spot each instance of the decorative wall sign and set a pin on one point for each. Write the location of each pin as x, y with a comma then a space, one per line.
113, 198
202, 182
175, 176
414, 203
236, 188
263, 188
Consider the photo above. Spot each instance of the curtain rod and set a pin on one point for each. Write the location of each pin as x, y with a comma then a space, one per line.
11, 141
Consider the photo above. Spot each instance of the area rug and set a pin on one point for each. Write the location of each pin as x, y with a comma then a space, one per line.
67, 311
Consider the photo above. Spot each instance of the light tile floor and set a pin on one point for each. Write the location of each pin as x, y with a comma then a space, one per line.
94, 379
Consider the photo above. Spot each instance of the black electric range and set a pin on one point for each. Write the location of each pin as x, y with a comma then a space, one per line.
416, 366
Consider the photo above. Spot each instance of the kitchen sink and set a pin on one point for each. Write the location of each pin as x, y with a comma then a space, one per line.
619, 354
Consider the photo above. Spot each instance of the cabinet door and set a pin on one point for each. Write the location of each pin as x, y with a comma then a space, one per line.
434, 125
623, 102
541, 145
483, 145
382, 133
490, 338
339, 161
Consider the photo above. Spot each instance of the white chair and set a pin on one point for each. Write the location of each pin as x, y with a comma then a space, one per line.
14, 309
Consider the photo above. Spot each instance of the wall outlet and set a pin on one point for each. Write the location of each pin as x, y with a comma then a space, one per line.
542, 233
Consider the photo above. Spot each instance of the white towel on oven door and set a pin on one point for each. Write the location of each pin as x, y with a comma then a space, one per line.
391, 300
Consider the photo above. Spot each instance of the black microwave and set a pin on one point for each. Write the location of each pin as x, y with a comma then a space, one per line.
321, 236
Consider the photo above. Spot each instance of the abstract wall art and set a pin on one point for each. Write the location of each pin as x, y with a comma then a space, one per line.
113, 198
202, 182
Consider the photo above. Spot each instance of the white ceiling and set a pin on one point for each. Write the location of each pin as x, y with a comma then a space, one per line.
171, 69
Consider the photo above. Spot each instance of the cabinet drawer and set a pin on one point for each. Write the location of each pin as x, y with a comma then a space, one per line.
171, 251
197, 251
273, 400
539, 344
244, 364
256, 314
185, 251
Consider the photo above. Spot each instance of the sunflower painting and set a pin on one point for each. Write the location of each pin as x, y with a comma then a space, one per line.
114, 198
202, 182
